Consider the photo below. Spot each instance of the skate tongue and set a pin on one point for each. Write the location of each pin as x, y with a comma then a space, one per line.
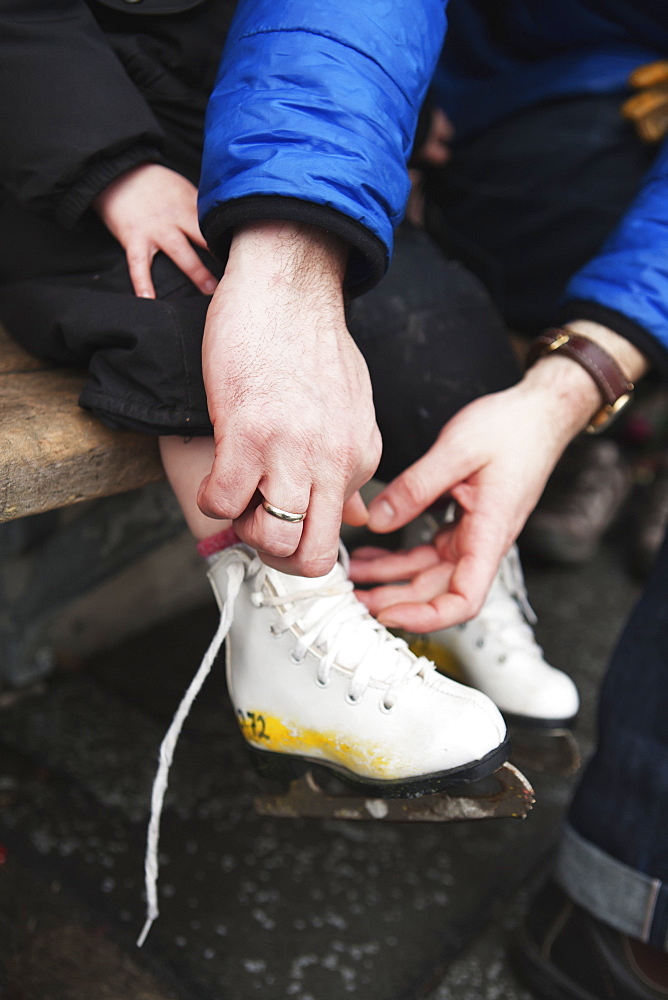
327, 607
313, 597
285, 583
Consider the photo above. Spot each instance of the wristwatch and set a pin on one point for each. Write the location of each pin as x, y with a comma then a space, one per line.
616, 391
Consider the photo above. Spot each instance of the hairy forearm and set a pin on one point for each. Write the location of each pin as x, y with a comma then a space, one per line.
291, 258
289, 394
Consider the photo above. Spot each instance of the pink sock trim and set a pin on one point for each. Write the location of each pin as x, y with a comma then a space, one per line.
216, 543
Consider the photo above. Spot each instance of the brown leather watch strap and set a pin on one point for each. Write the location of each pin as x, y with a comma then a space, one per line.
615, 389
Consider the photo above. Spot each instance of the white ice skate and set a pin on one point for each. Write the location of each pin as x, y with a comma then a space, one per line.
496, 652
316, 681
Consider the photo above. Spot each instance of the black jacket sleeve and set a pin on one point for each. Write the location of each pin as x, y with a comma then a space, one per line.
71, 120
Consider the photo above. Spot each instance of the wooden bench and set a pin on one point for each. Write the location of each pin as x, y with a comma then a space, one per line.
53, 453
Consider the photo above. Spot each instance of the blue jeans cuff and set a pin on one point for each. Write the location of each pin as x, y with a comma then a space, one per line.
622, 897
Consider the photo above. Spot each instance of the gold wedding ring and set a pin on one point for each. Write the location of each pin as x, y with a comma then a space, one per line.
282, 515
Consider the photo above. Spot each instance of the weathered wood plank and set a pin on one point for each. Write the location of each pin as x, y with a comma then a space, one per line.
53, 453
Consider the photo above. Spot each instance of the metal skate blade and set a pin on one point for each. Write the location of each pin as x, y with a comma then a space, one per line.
507, 793
550, 751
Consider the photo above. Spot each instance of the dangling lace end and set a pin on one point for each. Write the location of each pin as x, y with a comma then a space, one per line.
530, 614
146, 928
235, 576
511, 570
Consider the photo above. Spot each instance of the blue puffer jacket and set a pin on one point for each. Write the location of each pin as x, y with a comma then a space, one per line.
316, 102
315, 106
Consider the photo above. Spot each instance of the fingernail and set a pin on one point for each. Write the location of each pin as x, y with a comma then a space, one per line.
381, 513
210, 286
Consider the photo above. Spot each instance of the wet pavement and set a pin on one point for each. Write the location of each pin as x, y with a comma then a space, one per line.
254, 906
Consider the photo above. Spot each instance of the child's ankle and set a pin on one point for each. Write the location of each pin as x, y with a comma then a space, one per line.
211, 547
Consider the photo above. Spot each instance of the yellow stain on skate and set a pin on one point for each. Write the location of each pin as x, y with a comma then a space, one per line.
270, 733
445, 661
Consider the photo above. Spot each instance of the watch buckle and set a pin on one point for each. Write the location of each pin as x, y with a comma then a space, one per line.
607, 414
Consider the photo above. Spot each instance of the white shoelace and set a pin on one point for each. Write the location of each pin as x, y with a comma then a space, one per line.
512, 577
326, 634
235, 578
507, 612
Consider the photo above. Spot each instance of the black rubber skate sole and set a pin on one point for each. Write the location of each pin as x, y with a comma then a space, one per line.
548, 745
520, 721
285, 767
535, 722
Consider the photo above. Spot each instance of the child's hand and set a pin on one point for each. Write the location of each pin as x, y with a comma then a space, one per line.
152, 208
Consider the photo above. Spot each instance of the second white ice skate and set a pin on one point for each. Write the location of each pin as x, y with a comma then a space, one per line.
497, 652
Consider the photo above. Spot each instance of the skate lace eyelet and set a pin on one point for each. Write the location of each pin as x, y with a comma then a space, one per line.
480, 643
351, 700
296, 658
503, 658
256, 600
321, 682
385, 708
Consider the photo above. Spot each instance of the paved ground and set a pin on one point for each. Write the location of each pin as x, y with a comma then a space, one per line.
253, 907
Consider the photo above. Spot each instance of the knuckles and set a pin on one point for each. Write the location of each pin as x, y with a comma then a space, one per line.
312, 444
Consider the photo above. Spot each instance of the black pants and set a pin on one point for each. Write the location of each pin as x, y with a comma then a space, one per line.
521, 206
433, 342
511, 206
67, 296
527, 202
430, 336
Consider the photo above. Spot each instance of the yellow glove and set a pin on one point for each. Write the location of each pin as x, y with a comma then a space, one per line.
648, 110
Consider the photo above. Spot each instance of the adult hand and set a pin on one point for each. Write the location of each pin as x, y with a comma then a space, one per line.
152, 208
289, 396
493, 458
